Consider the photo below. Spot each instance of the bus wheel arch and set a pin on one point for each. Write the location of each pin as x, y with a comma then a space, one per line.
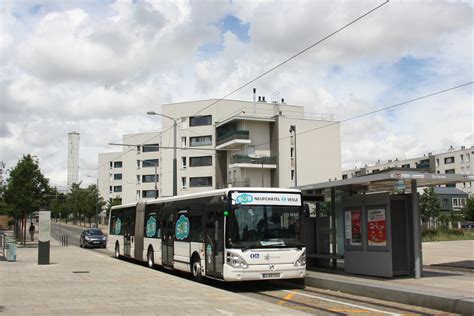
117, 250
196, 267
150, 257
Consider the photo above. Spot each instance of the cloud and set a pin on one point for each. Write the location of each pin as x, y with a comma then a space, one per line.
97, 67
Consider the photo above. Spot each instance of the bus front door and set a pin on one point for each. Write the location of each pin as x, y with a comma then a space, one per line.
168, 237
214, 243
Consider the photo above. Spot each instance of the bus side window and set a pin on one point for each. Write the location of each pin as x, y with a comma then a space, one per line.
158, 223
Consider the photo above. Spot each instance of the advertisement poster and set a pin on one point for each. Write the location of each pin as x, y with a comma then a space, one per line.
353, 228
377, 228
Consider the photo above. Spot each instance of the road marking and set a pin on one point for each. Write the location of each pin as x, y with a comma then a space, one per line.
288, 297
343, 303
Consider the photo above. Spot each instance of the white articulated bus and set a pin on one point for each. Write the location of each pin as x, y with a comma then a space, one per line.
233, 234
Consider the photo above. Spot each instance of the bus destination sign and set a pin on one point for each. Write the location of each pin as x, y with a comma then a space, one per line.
260, 198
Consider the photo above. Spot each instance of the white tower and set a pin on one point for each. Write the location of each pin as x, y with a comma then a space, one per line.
72, 159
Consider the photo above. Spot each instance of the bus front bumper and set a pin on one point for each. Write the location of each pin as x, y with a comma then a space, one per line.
264, 272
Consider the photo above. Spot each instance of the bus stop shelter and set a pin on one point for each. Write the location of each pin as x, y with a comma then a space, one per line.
371, 223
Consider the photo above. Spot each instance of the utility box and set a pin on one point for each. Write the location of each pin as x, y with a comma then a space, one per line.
10, 250
378, 235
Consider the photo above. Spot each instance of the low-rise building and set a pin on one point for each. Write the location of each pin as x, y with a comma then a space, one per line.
223, 143
453, 160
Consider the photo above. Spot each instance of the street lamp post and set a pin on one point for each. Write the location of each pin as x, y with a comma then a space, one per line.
175, 163
293, 132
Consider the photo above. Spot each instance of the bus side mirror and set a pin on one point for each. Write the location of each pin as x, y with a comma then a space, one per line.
306, 212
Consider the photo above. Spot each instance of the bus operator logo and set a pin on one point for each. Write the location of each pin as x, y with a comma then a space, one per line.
244, 199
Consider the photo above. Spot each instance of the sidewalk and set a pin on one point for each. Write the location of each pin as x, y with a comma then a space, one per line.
86, 282
451, 291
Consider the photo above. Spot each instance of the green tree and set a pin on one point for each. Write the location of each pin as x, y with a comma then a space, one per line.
430, 206
27, 190
468, 210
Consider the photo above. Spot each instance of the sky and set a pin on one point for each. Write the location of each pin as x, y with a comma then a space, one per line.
96, 67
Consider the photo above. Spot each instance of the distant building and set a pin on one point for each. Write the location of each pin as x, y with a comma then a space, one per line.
453, 160
231, 143
451, 199
72, 159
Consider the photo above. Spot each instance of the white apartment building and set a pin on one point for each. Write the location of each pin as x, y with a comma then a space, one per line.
454, 160
228, 143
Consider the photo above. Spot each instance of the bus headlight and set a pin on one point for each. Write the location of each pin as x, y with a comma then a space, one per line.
301, 260
236, 261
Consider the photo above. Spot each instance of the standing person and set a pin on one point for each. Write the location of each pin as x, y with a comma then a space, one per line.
32, 231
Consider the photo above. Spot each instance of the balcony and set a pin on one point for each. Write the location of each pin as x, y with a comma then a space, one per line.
232, 139
242, 161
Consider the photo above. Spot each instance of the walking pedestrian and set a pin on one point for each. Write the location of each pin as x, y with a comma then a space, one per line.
32, 231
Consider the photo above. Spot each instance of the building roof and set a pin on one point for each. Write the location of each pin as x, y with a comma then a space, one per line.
448, 190
386, 181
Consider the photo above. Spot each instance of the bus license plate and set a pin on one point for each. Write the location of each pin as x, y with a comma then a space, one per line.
270, 275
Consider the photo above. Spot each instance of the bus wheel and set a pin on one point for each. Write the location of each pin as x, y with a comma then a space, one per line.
117, 251
150, 258
196, 269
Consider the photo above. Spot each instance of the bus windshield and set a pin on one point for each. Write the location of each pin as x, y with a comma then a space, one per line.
263, 226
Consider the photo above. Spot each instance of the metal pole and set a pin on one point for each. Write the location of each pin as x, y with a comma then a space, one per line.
416, 230
333, 227
175, 164
296, 160
156, 181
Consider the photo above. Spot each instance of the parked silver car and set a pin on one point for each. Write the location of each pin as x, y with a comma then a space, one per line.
93, 238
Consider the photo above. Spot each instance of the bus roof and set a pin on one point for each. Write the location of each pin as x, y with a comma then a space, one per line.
219, 192
208, 193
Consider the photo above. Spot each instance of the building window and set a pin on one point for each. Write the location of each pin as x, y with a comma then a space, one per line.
138, 149
200, 161
183, 182
292, 175
292, 152
200, 141
468, 157
200, 120
445, 201
450, 171
149, 194
138, 194
138, 181
110, 189
117, 164
448, 160
375, 170
462, 158
118, 188
184, 162
183, 142
150, 178
462, 202
456, 203
150, 163
344, 176
110, 164
151, 147
138, 164
118, 176
407, 166
437, 162
200, 182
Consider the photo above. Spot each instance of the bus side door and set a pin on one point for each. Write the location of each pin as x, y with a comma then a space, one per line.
214, 241
167, 237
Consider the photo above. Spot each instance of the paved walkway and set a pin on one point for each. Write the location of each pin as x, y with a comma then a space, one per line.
446, 252
86, 282
438, 289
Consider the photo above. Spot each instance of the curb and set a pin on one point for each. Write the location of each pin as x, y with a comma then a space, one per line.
460, 305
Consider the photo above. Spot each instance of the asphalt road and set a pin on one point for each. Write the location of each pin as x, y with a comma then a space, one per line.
310, 300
